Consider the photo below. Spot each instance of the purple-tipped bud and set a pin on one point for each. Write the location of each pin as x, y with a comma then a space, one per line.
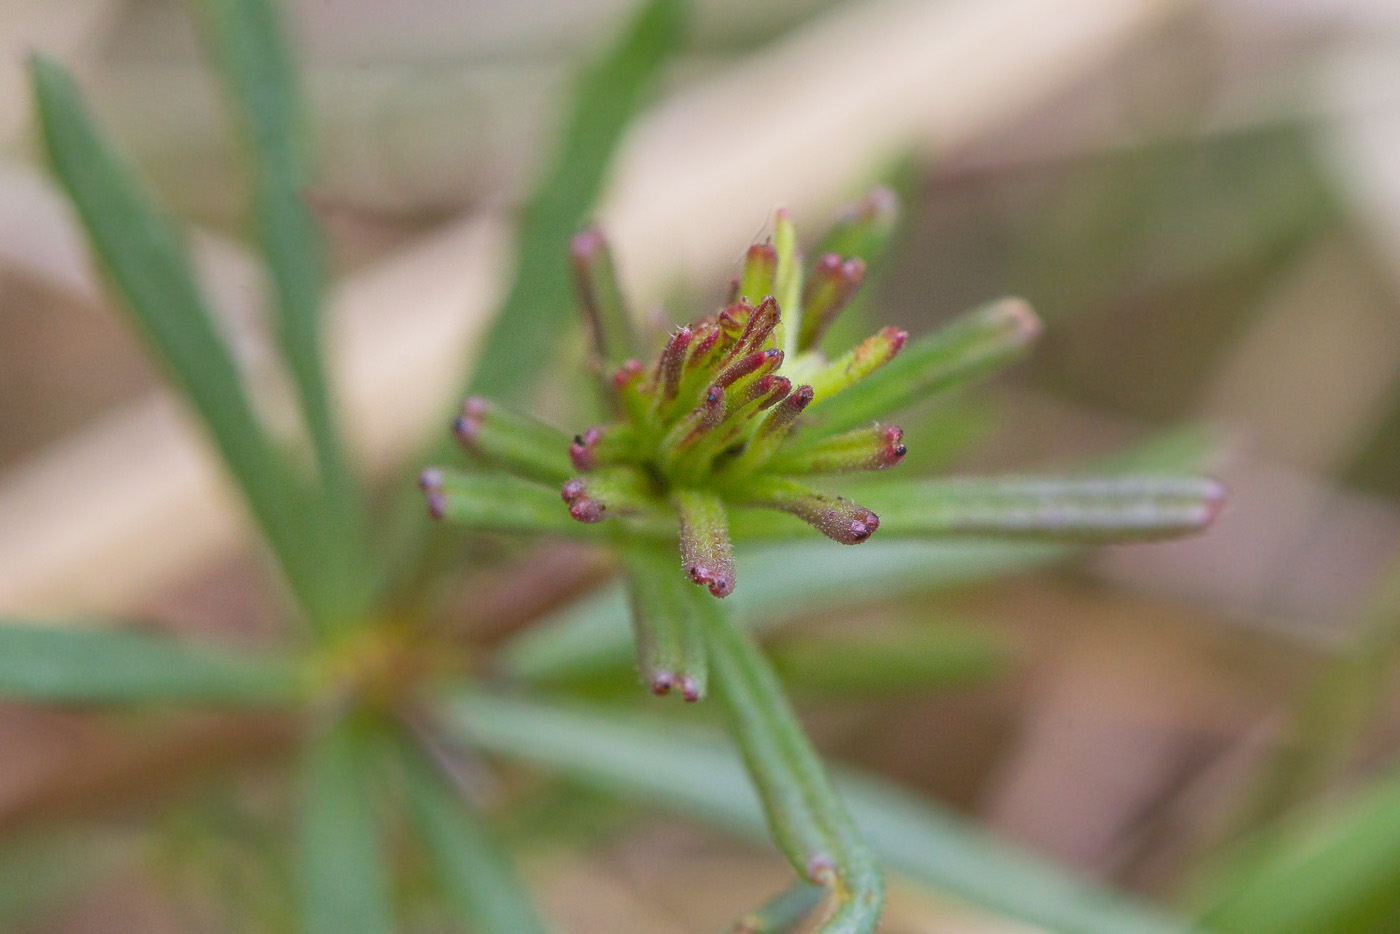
430, 482
767, 391
582, 507
707, 337
830, 288
672, 361
786, 412
627, 374
661, 683
584, 449
760, 272
760, 324
876, 448
836, 517
691, 690
467, 426
762, 362
706, 553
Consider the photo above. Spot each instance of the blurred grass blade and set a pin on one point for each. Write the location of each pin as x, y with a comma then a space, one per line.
1334, 869
880, 663
472, 871
645, 759
782, 582
781, 914
344, 880
246, 39
803, 811
1072, 509
981, 341
666, 629
143, 258
104, 666
540, 301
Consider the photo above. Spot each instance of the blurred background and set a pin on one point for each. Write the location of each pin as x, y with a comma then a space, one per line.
1202, 199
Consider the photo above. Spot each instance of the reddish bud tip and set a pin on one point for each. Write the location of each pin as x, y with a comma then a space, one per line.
437, 504
584, 449
661, 683
719, 580
627, 374
691, 690
894, 449
586, 243
587, 510
430, 479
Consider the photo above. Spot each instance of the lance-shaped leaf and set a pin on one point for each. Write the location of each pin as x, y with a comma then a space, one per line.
503, 438
600, 295
145, 261
670, 652
472, 870
495, 502
804, 813
881, 663
978, 343
836, 517
1332, 869
878, 447
781, 914
246, 39
66, 665
760, 276
344, 883
643, 759
605, 99
1079, 509
707, 557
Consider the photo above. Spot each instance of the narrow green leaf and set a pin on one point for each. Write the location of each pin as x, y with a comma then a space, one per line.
888, 662
473, 871
615, 339
1332, 869
145, 262
670, 651
783, 913
498, 503
804, 813
981, 341
508, 440
540, 300
1073, 509
781, 582
64, 665
248, 42
344, 880
647, 760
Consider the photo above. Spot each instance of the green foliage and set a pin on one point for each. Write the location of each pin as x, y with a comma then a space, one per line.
345, 885
693, 773
48, 664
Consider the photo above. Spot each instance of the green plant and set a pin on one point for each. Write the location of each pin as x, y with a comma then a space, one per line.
379, 684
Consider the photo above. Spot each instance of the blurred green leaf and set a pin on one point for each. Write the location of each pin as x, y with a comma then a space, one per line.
781, 914
980, 342
1074, 509
144, 259
246, 39
644, 759
103, 666
802, 809
344, 879
540, 301
882, 662
665, 626
1333, 870
41, 869
473, 871
776, 583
